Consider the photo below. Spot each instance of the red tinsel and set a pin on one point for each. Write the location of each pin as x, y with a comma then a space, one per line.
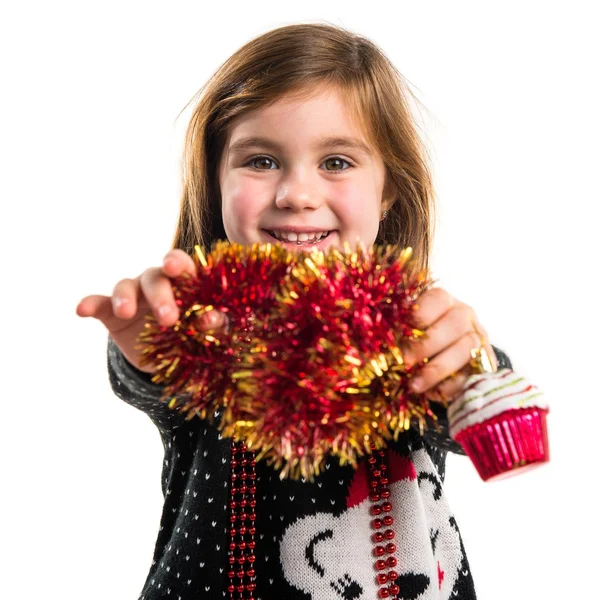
196, 366
311, 363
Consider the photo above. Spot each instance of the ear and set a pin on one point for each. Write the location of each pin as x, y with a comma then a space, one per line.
387, 197
386, 204
385, 208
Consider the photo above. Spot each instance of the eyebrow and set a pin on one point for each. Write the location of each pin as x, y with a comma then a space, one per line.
247, 143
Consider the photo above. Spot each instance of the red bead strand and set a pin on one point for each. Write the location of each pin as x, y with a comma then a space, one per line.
384, 548
242, 531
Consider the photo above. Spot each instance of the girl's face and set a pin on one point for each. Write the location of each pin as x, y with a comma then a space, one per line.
300, 172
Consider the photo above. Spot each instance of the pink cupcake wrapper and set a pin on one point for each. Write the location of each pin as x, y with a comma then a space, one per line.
507, 443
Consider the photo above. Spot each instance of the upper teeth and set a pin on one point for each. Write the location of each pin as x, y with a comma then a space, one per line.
290, 236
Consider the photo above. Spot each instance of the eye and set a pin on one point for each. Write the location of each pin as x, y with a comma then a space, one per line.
335, 163
262, 163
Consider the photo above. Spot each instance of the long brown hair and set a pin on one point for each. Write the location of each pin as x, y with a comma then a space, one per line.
291, 59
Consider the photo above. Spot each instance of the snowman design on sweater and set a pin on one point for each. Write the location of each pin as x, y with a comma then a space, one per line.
331, 556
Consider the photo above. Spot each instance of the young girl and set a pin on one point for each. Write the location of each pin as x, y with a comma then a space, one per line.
303, 138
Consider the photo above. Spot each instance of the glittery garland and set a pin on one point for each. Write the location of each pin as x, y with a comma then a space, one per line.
311, 362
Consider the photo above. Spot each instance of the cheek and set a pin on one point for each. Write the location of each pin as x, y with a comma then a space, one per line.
357, 204
243, 199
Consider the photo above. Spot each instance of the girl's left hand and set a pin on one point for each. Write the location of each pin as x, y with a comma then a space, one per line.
451, 332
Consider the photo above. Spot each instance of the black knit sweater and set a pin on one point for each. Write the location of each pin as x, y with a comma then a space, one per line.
313, 540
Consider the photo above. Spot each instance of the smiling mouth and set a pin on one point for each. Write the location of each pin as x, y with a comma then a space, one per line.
299, 239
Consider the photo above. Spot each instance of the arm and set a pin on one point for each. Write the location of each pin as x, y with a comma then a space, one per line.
137, 389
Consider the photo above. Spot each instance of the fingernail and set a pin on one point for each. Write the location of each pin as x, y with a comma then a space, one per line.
211, 317
164, 309
120, 301
417, 384
168, 260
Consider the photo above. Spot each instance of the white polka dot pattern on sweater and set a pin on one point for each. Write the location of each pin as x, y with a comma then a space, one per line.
190, 556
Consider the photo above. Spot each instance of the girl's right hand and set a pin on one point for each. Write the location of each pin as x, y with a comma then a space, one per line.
124, 313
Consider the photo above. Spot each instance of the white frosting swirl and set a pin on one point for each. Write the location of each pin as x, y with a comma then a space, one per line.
489, 394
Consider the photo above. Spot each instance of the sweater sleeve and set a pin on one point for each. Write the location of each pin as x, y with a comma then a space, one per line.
441, 439
137, 389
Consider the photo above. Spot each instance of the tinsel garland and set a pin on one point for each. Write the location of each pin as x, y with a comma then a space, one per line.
310, 363
197, 366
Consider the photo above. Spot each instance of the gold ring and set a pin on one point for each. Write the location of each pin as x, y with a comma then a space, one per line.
480, 360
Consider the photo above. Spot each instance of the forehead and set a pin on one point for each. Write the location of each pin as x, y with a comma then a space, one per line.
322, 111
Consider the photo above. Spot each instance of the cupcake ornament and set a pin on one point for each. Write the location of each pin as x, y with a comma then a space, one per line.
500, 421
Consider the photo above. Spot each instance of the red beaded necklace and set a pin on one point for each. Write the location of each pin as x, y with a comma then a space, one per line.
242, 531
378, 482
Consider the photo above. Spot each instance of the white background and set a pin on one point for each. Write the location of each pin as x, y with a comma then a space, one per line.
89, 153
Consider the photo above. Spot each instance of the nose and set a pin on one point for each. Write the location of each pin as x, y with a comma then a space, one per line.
297, 192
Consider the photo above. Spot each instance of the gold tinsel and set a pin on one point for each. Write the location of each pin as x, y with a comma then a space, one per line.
311, 364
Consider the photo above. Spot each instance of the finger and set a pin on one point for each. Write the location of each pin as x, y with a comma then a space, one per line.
125, 298
450, 388
213, 320
449, 361
96, 306
176, 262
158, 292
101, 308
431, 305
451, 326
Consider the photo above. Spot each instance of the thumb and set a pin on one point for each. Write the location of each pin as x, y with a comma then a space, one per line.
214, 320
